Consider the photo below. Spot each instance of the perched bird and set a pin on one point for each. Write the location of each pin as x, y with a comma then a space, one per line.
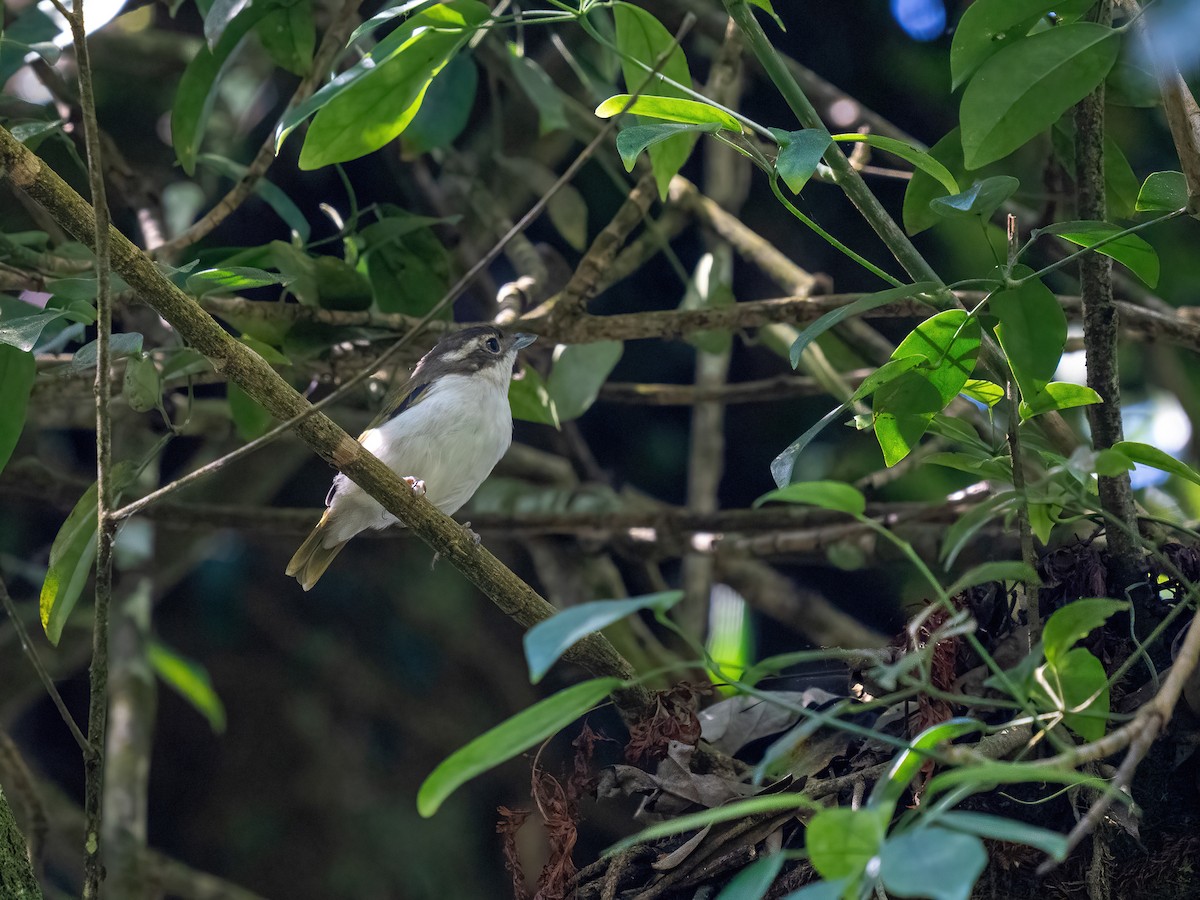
443, 432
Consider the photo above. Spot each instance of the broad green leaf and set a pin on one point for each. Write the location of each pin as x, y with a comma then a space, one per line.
541, 90
670, 109
1026, 86
959, 432
579, 372
529, 399
903, 409
511, 737
1012, 831
986, 27
190, 680
22, 333
120, 344
633, 140
1058, 395
230, 280
271, 194
919, 158
17, 371
289, 36
198, 87
386, 15
1041, 520
799, 154
379, 104
142, 386
641, 36
1120, 182
884, 375
986, 392
71, 557
1032, 333
1000, 570
835, 495
841, 841
923, 188
1075, 621
250, 419
220, 14
1077, 681
549, 639
753, 882
1129, 84
341, 286
1162, 192
982, 198
1156, 459
736, 809
408, 267
859, 306
889, 789
446, 109
1129, 250
932, 862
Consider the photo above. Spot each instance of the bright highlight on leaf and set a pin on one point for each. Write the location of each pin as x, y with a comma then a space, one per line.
1163, 192
669, 109
908, 153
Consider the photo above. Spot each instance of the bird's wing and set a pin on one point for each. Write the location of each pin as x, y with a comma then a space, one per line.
413, 392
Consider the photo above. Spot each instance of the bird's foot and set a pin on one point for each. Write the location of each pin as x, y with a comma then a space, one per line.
475, 539
417, 485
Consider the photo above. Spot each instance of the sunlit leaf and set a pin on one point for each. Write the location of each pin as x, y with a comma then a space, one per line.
190, 680
932, 862
1157, 459
71, 558
841, 841
919, 158
1059, 395
670, 109
1075, 621
999, 570
835, 495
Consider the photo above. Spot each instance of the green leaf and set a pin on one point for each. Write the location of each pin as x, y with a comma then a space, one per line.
1011, 831
821, 890
799, 154
1001, 570
1032, 333
641, 36
17, 372
142, 386
985, 775
269, 354
1156, 459
71, 557
271, 194
919, 158
184, 362
198, 87
923, 188
1076, 681
446, 109
783, 465
579, 372
633, 140
1075, 621
766, 6
1120, 182
670, 109
841, 841
220, 14
859, 306
289, 36
827, 494
407, 265
884, 375
986, 392
230, 280
932, 862
736, 809
386, 15
753, 882
524, 730
190, 680
529, 399
340, 286
889, 789
1058, 395
1026, 86
982, 198
1162, 192
549, 639
710, 287
119, 345
250, 419
23, 332
988, 26
1129, 250
541, 90
367, 111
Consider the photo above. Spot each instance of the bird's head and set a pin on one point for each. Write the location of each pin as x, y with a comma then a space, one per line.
482, 351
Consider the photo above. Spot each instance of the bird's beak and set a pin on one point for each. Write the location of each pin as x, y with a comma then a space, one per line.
521, 340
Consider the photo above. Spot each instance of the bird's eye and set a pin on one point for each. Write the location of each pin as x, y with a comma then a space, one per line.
493, 345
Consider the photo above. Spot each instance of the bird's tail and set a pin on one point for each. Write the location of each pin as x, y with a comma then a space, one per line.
313, 557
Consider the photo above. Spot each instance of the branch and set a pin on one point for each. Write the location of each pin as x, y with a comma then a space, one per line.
241, 365
762, 390
16, 872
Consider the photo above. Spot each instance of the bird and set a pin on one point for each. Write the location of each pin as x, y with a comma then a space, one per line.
443, 432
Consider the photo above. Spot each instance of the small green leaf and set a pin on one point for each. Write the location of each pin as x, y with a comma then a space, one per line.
1011, 831
1120, 182
524, 730
919, 158
269, 354
1032, 333
1129, 250
230, 280
735, 809
841, 841
17, 372
932, 862
643, 38
633, 140
71, 557
859, 306
549, 639
1156, 459
826, 494
1162, 192
142, 386
250, 419
1025, 87
529, 399
986, 392
889, 789
1075, 621
1058, 395
119, 345
190, 680
541, 90
753, 882
409, 268
923, 188
1076, 685
884, 375
799, 154
670, 109
289, 36
982, 198
579, 372
766, 6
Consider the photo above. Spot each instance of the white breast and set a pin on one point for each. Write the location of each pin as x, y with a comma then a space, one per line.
451, 440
